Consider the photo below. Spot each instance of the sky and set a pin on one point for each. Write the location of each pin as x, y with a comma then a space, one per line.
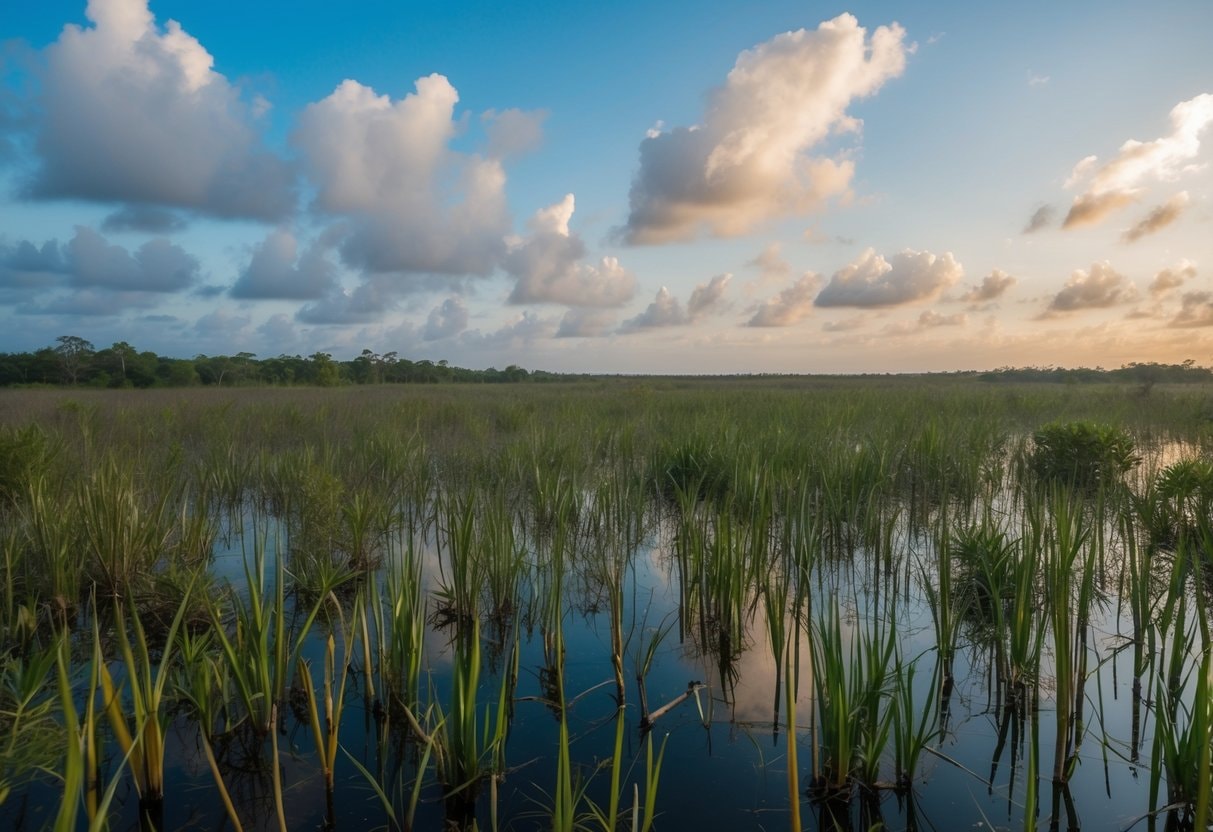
625, 187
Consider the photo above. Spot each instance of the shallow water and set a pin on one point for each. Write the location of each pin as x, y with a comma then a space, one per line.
725, 758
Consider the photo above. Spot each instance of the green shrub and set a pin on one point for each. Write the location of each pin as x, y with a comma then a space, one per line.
1083, 454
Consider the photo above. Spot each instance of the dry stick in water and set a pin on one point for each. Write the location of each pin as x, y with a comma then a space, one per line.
692, 687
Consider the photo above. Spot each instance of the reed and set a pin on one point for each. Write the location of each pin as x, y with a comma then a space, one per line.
262, 649
400, 629
29, 735
201, 682
124, 531
142, 738
1069, 576
853, 692
82, 782
326, 736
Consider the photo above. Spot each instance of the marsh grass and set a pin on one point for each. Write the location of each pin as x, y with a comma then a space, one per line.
29, 735
483, 519
143, 700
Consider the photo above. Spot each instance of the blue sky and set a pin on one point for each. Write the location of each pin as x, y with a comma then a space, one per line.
625, 187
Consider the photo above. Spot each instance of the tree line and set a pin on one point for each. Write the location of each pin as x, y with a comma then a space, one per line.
1144, 374
74, 361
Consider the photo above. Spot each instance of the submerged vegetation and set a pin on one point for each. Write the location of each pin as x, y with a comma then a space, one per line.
533, 607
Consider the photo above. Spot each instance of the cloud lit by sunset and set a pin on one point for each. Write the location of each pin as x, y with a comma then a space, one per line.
678, 187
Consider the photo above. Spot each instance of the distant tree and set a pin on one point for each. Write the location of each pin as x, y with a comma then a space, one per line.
74, 355
324, 370
122, 351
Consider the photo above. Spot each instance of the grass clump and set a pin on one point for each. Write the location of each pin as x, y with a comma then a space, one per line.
1084, 454
24, 453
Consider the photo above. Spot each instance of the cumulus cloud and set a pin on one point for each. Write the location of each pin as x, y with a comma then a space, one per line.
449, 318
750, 160
1098, 288
993, 286
585, 323
1196, 311
130, 113
414, 204
517, 333
27, 266
1159, 218
872, 281
1094, 208
148, 219
708, 298
368, 302
791, 306
548, 267
90, 263
278, 270
1120, 180
1172, 278
771, 264
1042, 217
665, 310
156, 266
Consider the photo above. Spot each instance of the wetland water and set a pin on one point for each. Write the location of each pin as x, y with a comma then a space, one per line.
487, 604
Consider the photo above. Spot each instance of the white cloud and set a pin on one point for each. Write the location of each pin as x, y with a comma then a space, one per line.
771, 264
515, 334
1094, 208
90, 276
1098, 288
130, 113
993, 286
791, 306
665, 310
156, 266
368, 302
1121, 180
448, 319
750, 160
277, 270
548, 267
1159, 218
1172, 278
872, 281
708, 298
585, 323
1197, 311
415, 204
